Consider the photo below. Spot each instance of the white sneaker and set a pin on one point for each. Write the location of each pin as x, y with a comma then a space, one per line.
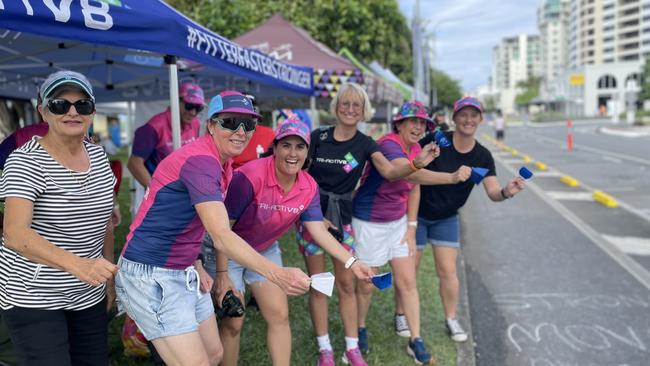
456, 332
402, 326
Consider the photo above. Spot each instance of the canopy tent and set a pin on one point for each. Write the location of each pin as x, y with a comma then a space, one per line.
284, 41
406, 89
120, 45
378, 88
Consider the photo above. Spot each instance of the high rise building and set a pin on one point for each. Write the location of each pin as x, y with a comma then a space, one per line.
608, 31
553, 25
514, 60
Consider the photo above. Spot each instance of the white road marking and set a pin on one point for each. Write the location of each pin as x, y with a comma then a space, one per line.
570, 196
548, 174
630, 245
613, 160
630, 265
598, 151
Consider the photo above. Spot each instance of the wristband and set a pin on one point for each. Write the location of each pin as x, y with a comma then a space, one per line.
350, 262
503, 194
413, 167
412, 223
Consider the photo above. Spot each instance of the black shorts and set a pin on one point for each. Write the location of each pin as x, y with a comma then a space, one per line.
500, 134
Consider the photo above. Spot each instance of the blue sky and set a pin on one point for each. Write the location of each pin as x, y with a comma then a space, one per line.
466, 31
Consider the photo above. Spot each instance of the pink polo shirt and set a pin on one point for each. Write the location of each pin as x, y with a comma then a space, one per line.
261, 210
167, 231
153, 141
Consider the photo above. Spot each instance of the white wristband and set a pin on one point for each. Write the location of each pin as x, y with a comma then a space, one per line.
350, 262
413, 223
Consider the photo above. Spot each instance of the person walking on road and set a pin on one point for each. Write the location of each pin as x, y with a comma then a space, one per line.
438, 223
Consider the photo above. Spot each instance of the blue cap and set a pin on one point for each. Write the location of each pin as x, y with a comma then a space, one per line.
382, 281
525, 173
230, 101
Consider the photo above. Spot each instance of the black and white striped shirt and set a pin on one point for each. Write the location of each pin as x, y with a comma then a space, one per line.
71, 210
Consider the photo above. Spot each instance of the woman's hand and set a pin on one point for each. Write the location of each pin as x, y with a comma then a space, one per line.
409, 239
293, 281
94, 272
205, 280
223, 284
462, 174
515, 186
362, 271
429, 152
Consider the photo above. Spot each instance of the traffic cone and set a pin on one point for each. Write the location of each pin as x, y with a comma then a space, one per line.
569, 136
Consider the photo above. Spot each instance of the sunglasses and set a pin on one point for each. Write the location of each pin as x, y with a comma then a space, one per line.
197, 107
61, 106
233, 123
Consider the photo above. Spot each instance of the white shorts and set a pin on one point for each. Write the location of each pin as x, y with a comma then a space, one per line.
379, 242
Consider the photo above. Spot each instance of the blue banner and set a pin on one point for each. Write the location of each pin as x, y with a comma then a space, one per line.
149, 25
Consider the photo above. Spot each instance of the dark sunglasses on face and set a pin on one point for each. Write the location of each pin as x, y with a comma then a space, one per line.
233, 123
197, 107
61, 106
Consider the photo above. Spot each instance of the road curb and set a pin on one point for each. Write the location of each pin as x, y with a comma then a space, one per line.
640, 132
465, 355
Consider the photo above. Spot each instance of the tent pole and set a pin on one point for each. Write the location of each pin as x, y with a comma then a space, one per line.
174, 100
314, 113
389, 111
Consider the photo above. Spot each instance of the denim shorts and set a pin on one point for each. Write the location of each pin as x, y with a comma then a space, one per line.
163, 302
240, 275
439, 233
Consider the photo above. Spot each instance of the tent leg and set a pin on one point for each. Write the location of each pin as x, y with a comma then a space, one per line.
174, 100
314, 113
389, 112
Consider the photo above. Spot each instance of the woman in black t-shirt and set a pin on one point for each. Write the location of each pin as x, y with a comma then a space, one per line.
339, 154
438, 222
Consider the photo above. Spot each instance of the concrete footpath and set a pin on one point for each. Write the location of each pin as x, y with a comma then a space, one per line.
542, 292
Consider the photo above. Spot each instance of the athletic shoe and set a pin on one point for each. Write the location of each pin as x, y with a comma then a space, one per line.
363, 340
353, 357
326, 358
456, 332
418, 351
402, 326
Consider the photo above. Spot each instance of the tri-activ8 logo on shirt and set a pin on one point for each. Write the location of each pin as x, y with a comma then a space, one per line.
282, 208
348, 164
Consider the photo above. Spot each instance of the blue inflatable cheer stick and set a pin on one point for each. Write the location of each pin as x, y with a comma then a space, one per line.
478, 174
525, 173
382, 281
441, 139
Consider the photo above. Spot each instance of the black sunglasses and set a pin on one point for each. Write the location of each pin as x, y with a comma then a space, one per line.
233, 123
61, 106
197, 107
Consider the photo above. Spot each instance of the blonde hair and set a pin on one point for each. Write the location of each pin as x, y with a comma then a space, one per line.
357, 90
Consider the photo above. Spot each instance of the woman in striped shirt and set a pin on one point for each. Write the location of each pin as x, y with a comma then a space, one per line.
57, 251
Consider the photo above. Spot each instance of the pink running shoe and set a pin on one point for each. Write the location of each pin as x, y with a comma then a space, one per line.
353, 357
326, 358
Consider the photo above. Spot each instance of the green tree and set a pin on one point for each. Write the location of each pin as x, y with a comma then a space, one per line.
448, 89
371, 30
645, 80
530, 89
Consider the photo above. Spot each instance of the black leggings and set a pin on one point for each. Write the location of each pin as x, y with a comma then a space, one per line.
59, 337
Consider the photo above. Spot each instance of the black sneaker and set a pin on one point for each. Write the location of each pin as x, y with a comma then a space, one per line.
418, 351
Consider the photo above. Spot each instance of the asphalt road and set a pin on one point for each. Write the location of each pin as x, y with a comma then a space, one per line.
550, 281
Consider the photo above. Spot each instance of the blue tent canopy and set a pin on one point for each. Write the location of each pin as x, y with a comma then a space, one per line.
120, 46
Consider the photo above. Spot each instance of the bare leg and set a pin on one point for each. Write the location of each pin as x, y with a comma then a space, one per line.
230, 331
399, 309
404, 270
274, 306
449, 287
347, 299
183, 349
211, 342
317, 301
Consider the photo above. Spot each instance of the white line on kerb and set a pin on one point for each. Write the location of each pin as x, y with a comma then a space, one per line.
629, 264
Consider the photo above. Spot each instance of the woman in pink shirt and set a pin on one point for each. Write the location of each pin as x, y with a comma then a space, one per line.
267, 196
